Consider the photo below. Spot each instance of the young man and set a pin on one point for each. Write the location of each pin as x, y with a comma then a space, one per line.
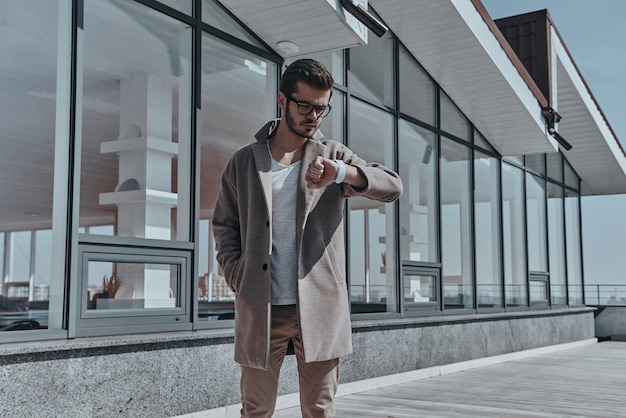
278, 226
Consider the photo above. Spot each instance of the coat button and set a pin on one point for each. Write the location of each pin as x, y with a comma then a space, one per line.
265, 266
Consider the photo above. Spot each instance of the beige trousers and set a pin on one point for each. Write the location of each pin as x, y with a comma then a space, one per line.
318, 380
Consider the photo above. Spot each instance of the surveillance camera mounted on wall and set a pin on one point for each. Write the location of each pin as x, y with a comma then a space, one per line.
363, 16
552, 118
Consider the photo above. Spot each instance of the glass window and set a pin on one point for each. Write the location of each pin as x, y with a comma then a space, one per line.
185, 6
452, 120
556, 240
571, 178
333, 125
372, 224
34, 86
573, 245
421, 290
482, 142
2, 256
554, 162
536, 163
536, 223
132, 286
487, 227
131, 289
215, 15
40, 286
538, 291
418, 203
238, 98
513, 234
332, 60
371, 74
135, 151
515, 159
456, 257
19, 257
417, 90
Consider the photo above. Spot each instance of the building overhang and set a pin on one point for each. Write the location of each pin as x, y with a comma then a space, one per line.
461, 47
301, 27
458, 43
596, 153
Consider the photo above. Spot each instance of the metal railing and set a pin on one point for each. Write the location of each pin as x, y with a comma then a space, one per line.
605, 294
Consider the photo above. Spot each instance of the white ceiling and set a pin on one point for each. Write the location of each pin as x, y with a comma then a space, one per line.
313, 25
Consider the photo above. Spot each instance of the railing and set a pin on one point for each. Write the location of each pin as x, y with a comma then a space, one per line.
605, 294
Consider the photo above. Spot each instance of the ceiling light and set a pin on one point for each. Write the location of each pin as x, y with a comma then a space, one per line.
288, 47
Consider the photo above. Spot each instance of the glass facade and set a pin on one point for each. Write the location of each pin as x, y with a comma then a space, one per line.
372, 265
135, 137
456, 250
514, 236
114, 140
487, 226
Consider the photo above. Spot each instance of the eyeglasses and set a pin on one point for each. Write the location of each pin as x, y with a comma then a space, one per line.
305, 108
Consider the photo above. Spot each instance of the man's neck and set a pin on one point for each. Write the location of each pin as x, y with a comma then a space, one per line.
285, 146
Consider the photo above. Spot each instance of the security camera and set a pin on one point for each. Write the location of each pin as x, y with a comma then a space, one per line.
363, 16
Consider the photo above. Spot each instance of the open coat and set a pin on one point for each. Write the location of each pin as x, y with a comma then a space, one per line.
243, 234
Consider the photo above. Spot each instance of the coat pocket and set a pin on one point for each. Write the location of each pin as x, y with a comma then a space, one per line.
337, 267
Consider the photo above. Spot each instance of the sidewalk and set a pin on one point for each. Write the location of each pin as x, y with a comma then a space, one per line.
581, 379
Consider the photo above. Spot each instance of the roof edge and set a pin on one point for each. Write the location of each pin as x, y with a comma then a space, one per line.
543, 101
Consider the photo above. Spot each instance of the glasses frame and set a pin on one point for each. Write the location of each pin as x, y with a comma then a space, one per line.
325, 110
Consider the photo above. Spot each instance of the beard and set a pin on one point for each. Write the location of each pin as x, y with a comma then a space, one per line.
303, 132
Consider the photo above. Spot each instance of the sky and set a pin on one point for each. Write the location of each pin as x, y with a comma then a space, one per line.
595, 35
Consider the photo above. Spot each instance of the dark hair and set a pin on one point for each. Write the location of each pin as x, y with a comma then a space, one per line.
308, 71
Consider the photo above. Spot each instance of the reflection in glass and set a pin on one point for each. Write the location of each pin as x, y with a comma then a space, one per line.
482, 142
455, 225
332, 60
34, 51
417, 90
536, 163
185, 6
420, 289
556, 240
539, 292
130, 286
513, 231
238, 98
372, 225
487, 226
333, 125
536, 223
571, 178
452, 120
215, 15
371, 71
554, 162
573, 245
418, 203
136, 121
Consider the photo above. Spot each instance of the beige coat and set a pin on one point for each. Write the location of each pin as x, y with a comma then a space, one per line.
242, 227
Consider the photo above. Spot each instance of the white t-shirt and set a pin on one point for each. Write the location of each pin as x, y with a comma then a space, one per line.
284, 258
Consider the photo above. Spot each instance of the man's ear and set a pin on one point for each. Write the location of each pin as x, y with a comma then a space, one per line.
282, 100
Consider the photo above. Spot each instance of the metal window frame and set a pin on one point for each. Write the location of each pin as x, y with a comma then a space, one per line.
84, 323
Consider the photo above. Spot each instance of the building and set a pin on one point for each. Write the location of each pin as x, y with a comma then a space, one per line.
119, 115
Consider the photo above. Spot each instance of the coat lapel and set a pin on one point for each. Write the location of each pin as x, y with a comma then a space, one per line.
264, 169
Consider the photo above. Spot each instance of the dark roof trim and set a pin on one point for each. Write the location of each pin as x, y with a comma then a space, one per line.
510, 53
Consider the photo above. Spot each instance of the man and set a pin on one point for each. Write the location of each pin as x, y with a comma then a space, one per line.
278, 226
